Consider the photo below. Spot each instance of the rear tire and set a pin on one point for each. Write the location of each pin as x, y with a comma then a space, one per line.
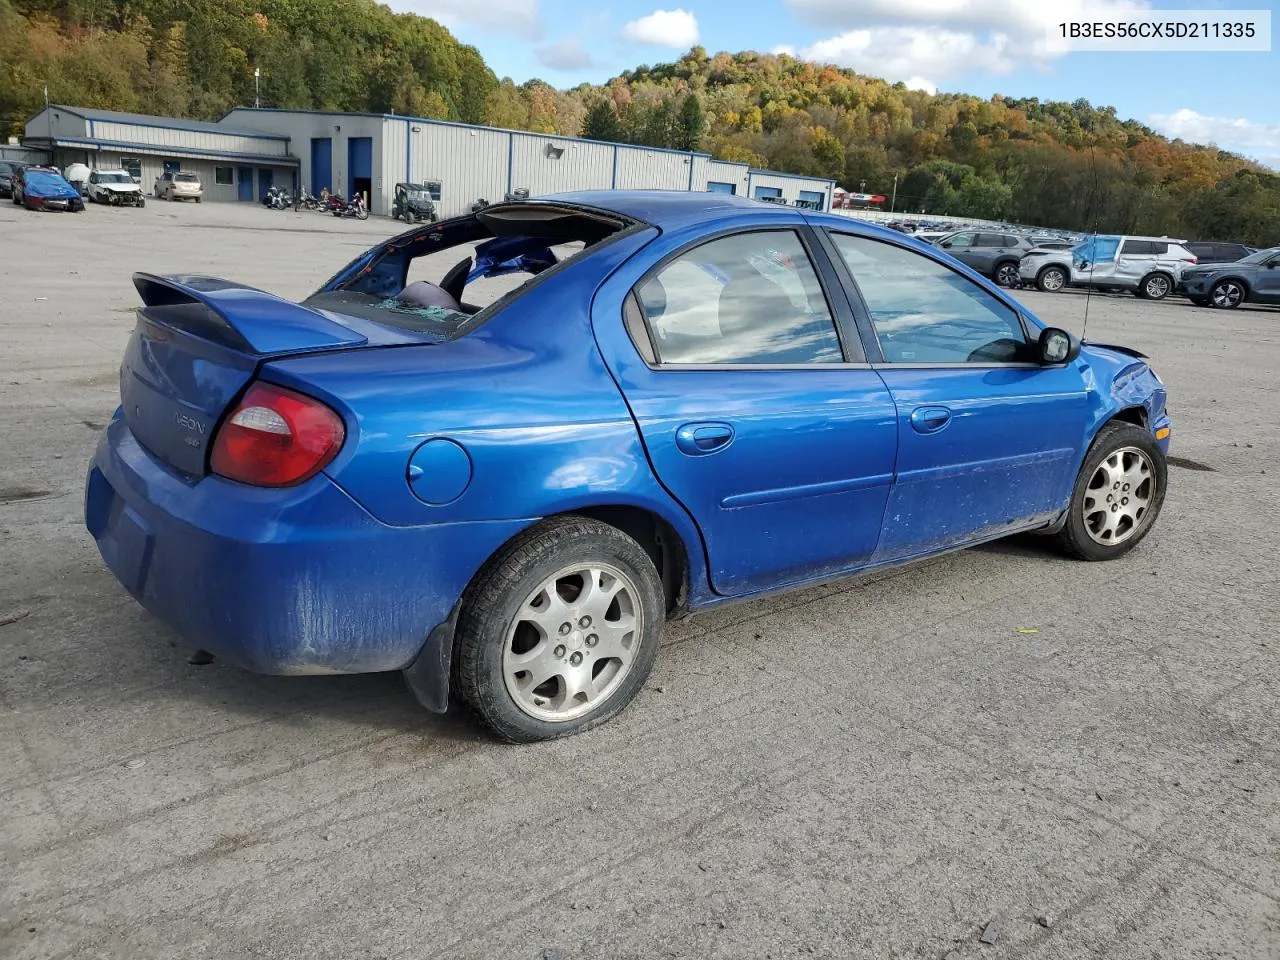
1117, 494
520, 605
1007, 274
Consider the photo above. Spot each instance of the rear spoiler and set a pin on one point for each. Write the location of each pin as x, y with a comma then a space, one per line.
244, 317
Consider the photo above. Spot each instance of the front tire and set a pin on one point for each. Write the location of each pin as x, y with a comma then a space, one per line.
1226, 295
1155, 286
1051, 279
559, 631
1117, 495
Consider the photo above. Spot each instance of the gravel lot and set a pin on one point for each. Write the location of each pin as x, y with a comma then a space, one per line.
876, 768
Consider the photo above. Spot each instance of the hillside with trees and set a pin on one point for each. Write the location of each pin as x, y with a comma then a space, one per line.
1068, 165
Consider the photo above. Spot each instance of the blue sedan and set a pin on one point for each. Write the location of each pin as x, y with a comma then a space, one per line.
610, 408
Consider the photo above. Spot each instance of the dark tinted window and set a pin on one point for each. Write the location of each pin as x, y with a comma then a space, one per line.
747, 298
1011, 241
989, 240
925, 313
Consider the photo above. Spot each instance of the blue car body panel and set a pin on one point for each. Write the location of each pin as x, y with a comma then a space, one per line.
767, 478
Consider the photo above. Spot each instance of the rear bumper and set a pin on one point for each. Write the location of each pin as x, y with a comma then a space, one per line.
295, 581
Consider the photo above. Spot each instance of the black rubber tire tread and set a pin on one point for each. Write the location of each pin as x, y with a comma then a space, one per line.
1073, 538
491, 600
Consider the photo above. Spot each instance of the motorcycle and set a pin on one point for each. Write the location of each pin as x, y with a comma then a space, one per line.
333, 203
277, 198
305, 200
353, 208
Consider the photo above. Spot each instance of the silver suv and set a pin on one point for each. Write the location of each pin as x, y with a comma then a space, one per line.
1150, 267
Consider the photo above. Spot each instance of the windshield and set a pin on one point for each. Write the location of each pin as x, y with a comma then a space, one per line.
1262, 256
114, 178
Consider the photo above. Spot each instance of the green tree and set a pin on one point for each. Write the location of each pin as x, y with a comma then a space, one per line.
602, 122
692, 121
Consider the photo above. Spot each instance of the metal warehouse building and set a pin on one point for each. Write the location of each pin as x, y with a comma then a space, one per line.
370, 152
233, 164
243, 154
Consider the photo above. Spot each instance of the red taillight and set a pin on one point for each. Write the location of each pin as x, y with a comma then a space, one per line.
1194, 260
276, 437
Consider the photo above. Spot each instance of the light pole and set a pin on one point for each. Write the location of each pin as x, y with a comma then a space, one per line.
256, 101
862, 186
894, 202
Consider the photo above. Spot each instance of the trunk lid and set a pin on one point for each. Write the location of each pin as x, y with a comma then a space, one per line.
198, 343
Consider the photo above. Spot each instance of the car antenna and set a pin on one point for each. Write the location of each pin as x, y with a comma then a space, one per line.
1093, 215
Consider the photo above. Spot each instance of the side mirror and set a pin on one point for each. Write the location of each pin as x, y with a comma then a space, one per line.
945, 244
1057, 347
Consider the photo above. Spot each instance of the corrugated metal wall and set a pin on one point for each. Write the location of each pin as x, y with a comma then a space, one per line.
721, 171
64, 124
642, 168
191, 139
300, 127
579, 165
469, 162
790, 186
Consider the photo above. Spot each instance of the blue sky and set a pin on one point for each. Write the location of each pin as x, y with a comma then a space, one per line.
973, 46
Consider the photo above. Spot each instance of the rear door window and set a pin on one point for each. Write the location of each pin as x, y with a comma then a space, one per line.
749, 298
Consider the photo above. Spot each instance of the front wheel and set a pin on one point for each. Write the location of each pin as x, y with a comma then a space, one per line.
1226, 295
560, 630
1117, 495
1007, 275
1051, 279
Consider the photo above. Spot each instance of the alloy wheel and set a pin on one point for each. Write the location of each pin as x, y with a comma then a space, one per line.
1007, 275
1118, 497
572, 642
1157, 287
1053, 280
1227, 294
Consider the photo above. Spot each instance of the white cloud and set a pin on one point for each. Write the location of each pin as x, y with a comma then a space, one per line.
565, 54
782, 48
1256, 140
519, 17
677, 29
925, 42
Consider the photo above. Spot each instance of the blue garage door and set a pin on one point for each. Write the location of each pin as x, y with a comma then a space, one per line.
359, 166
244, 183
714, 186
264, 181
321, 164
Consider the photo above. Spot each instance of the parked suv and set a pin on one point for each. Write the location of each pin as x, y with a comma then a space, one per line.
1212, 251
1150, 267
178, 185
993, 255
1255, 279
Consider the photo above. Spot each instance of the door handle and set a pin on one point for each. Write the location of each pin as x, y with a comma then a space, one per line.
929, 419
700, 439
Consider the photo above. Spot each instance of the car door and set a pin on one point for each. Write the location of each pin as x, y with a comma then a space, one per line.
767, 426
1266, 281
988, 440
1094, 261
1136, 259
963, 246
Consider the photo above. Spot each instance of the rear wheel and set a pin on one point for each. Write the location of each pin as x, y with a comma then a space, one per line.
1051, 279
1007, 274
1117, 495
1227, 295
559, 631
